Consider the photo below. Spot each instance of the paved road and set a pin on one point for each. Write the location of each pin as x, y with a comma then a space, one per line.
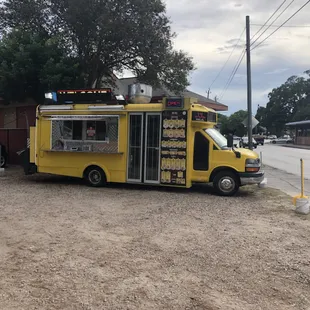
285, 158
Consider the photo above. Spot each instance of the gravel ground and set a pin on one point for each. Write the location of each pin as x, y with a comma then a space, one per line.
67, 246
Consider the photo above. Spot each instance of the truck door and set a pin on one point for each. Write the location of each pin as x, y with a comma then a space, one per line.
201, 160
144, 148
152, 148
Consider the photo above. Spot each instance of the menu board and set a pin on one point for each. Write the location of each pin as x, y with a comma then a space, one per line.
173, 148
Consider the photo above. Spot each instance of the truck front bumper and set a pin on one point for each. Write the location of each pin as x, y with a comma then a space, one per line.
251, 178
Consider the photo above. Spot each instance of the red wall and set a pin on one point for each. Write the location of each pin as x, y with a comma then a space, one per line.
21, 118
14, 140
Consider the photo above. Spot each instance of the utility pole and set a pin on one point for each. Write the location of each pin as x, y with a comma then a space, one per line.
249, 80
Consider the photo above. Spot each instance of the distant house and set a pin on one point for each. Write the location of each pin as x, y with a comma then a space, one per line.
302, 132
122, 89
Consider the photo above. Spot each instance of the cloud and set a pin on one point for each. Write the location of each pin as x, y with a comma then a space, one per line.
277, 71
209, 30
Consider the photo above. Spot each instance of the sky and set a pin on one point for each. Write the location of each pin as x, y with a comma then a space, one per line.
208, 30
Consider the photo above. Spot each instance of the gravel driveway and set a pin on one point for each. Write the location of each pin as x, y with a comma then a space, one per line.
67, 246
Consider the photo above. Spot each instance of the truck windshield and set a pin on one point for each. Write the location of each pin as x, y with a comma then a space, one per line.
217, 137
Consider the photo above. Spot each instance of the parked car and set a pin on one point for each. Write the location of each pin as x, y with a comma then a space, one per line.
260, 139
285, 139
272, 137
4, 156
244, 143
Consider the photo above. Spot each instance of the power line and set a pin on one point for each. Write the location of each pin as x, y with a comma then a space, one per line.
233, 73
280, 26
269, 19
218, 75
273, 22
289, 26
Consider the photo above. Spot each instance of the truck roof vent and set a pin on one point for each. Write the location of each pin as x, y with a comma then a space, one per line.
140, 93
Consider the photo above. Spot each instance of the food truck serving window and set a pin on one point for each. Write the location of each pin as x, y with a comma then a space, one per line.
78, 135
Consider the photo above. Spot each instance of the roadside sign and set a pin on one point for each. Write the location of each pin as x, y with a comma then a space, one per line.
255, 122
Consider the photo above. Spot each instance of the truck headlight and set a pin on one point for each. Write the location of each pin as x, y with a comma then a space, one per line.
252, 165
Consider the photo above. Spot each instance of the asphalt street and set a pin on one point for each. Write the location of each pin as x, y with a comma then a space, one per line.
282, 168
285, 158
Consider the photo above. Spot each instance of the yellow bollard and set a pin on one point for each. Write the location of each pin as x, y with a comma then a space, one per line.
302, 194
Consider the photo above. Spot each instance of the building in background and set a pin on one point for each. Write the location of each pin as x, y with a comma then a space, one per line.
15, 120
121, 88
302, 132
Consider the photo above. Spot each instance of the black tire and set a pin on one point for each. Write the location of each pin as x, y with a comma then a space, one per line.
95, 176
226, 183
2, 161
274, 142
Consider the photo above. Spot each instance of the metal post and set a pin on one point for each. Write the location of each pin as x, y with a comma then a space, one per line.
302, 177
249, 82
27, 124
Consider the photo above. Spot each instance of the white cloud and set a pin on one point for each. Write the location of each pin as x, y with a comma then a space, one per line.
208, 30
277, 71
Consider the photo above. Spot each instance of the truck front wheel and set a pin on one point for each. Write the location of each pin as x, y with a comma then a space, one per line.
95, 176
226, 183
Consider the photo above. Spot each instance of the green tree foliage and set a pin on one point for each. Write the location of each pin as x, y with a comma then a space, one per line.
287, 103
107, 36
31, 64
233, 123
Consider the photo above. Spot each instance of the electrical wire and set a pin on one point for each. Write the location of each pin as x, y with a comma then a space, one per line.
273, 22
274, 13
223, 67
257, 45
290, 26
233, 73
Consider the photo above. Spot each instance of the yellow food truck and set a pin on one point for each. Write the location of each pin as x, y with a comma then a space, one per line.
94, 135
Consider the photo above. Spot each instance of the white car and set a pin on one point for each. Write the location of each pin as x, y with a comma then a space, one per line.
244, 142
285, 139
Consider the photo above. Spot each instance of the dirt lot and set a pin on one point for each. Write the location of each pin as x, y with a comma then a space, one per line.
67, 246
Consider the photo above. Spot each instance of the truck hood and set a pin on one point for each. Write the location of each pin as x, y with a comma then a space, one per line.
247, 153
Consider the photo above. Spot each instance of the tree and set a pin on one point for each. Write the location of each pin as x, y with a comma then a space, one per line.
235, 125
107, 36
32, 64
223, 121
287, 103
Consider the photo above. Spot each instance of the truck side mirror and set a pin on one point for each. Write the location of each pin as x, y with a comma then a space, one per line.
230, 141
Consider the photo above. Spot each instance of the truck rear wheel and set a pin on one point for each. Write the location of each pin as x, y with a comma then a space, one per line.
2, 161
95, 176
226, 183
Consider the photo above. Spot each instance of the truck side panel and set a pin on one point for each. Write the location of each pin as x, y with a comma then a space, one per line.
32, 145
74, 163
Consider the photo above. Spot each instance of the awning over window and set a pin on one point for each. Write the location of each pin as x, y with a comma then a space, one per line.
79, 117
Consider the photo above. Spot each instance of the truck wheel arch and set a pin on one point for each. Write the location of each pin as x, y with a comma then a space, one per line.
104, 169
221, 169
